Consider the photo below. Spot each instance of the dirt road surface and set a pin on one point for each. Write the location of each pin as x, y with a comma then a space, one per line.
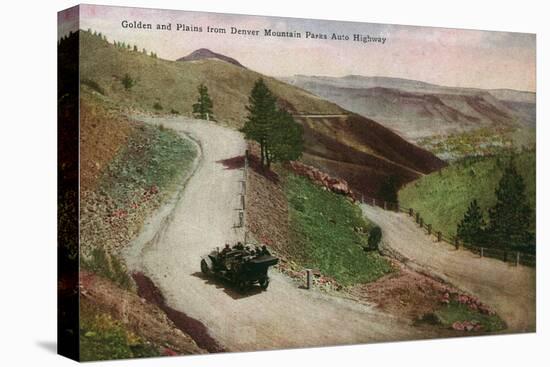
203, 217
510, 290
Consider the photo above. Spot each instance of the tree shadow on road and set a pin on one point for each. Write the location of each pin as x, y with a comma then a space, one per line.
227, 287
233, 163
237, 162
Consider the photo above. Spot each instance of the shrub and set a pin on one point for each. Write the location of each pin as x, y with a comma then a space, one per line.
375, 236
157, 106
128, 82
174, 112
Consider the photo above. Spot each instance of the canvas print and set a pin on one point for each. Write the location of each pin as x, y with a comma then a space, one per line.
244, 183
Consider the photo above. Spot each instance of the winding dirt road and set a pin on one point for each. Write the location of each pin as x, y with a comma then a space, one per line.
510, 290
202, 217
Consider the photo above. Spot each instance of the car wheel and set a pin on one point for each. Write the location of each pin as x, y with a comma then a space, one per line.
242, 285
264, 283
204, 267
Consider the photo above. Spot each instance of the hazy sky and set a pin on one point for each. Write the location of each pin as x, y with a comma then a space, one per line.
452, 57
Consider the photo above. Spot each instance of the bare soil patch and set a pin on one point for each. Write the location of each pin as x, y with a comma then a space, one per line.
102, 135
404, 292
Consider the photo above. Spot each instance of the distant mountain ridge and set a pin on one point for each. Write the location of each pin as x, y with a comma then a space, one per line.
416, 109
204, 53
409, 85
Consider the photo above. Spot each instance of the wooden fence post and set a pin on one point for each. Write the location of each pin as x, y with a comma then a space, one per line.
373, 202
517, 258
429, 229
438, 236
308, 278
417, 217
481, 252
362, 199
457, 243
411, 212
421, 223
385, 205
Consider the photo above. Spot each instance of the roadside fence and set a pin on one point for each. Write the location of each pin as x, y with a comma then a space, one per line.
512, 257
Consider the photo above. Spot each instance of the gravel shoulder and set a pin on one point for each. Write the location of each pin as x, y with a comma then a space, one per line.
201, 217
510, 290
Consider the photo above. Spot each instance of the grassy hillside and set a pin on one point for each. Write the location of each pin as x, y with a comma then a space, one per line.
443, 197
346, 145
174, 84
323, 236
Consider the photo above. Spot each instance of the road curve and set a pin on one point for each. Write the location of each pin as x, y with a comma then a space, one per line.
168, 251
510, 290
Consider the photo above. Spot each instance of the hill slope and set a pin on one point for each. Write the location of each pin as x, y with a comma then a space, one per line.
343, 144
418, 110
442, 198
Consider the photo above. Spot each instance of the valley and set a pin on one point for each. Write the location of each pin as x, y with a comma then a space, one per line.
450, 122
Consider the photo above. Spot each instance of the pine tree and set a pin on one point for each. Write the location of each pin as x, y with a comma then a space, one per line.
204, 104
261, 113
279, 136
285, 142
510, 218
388, 189
471, 227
